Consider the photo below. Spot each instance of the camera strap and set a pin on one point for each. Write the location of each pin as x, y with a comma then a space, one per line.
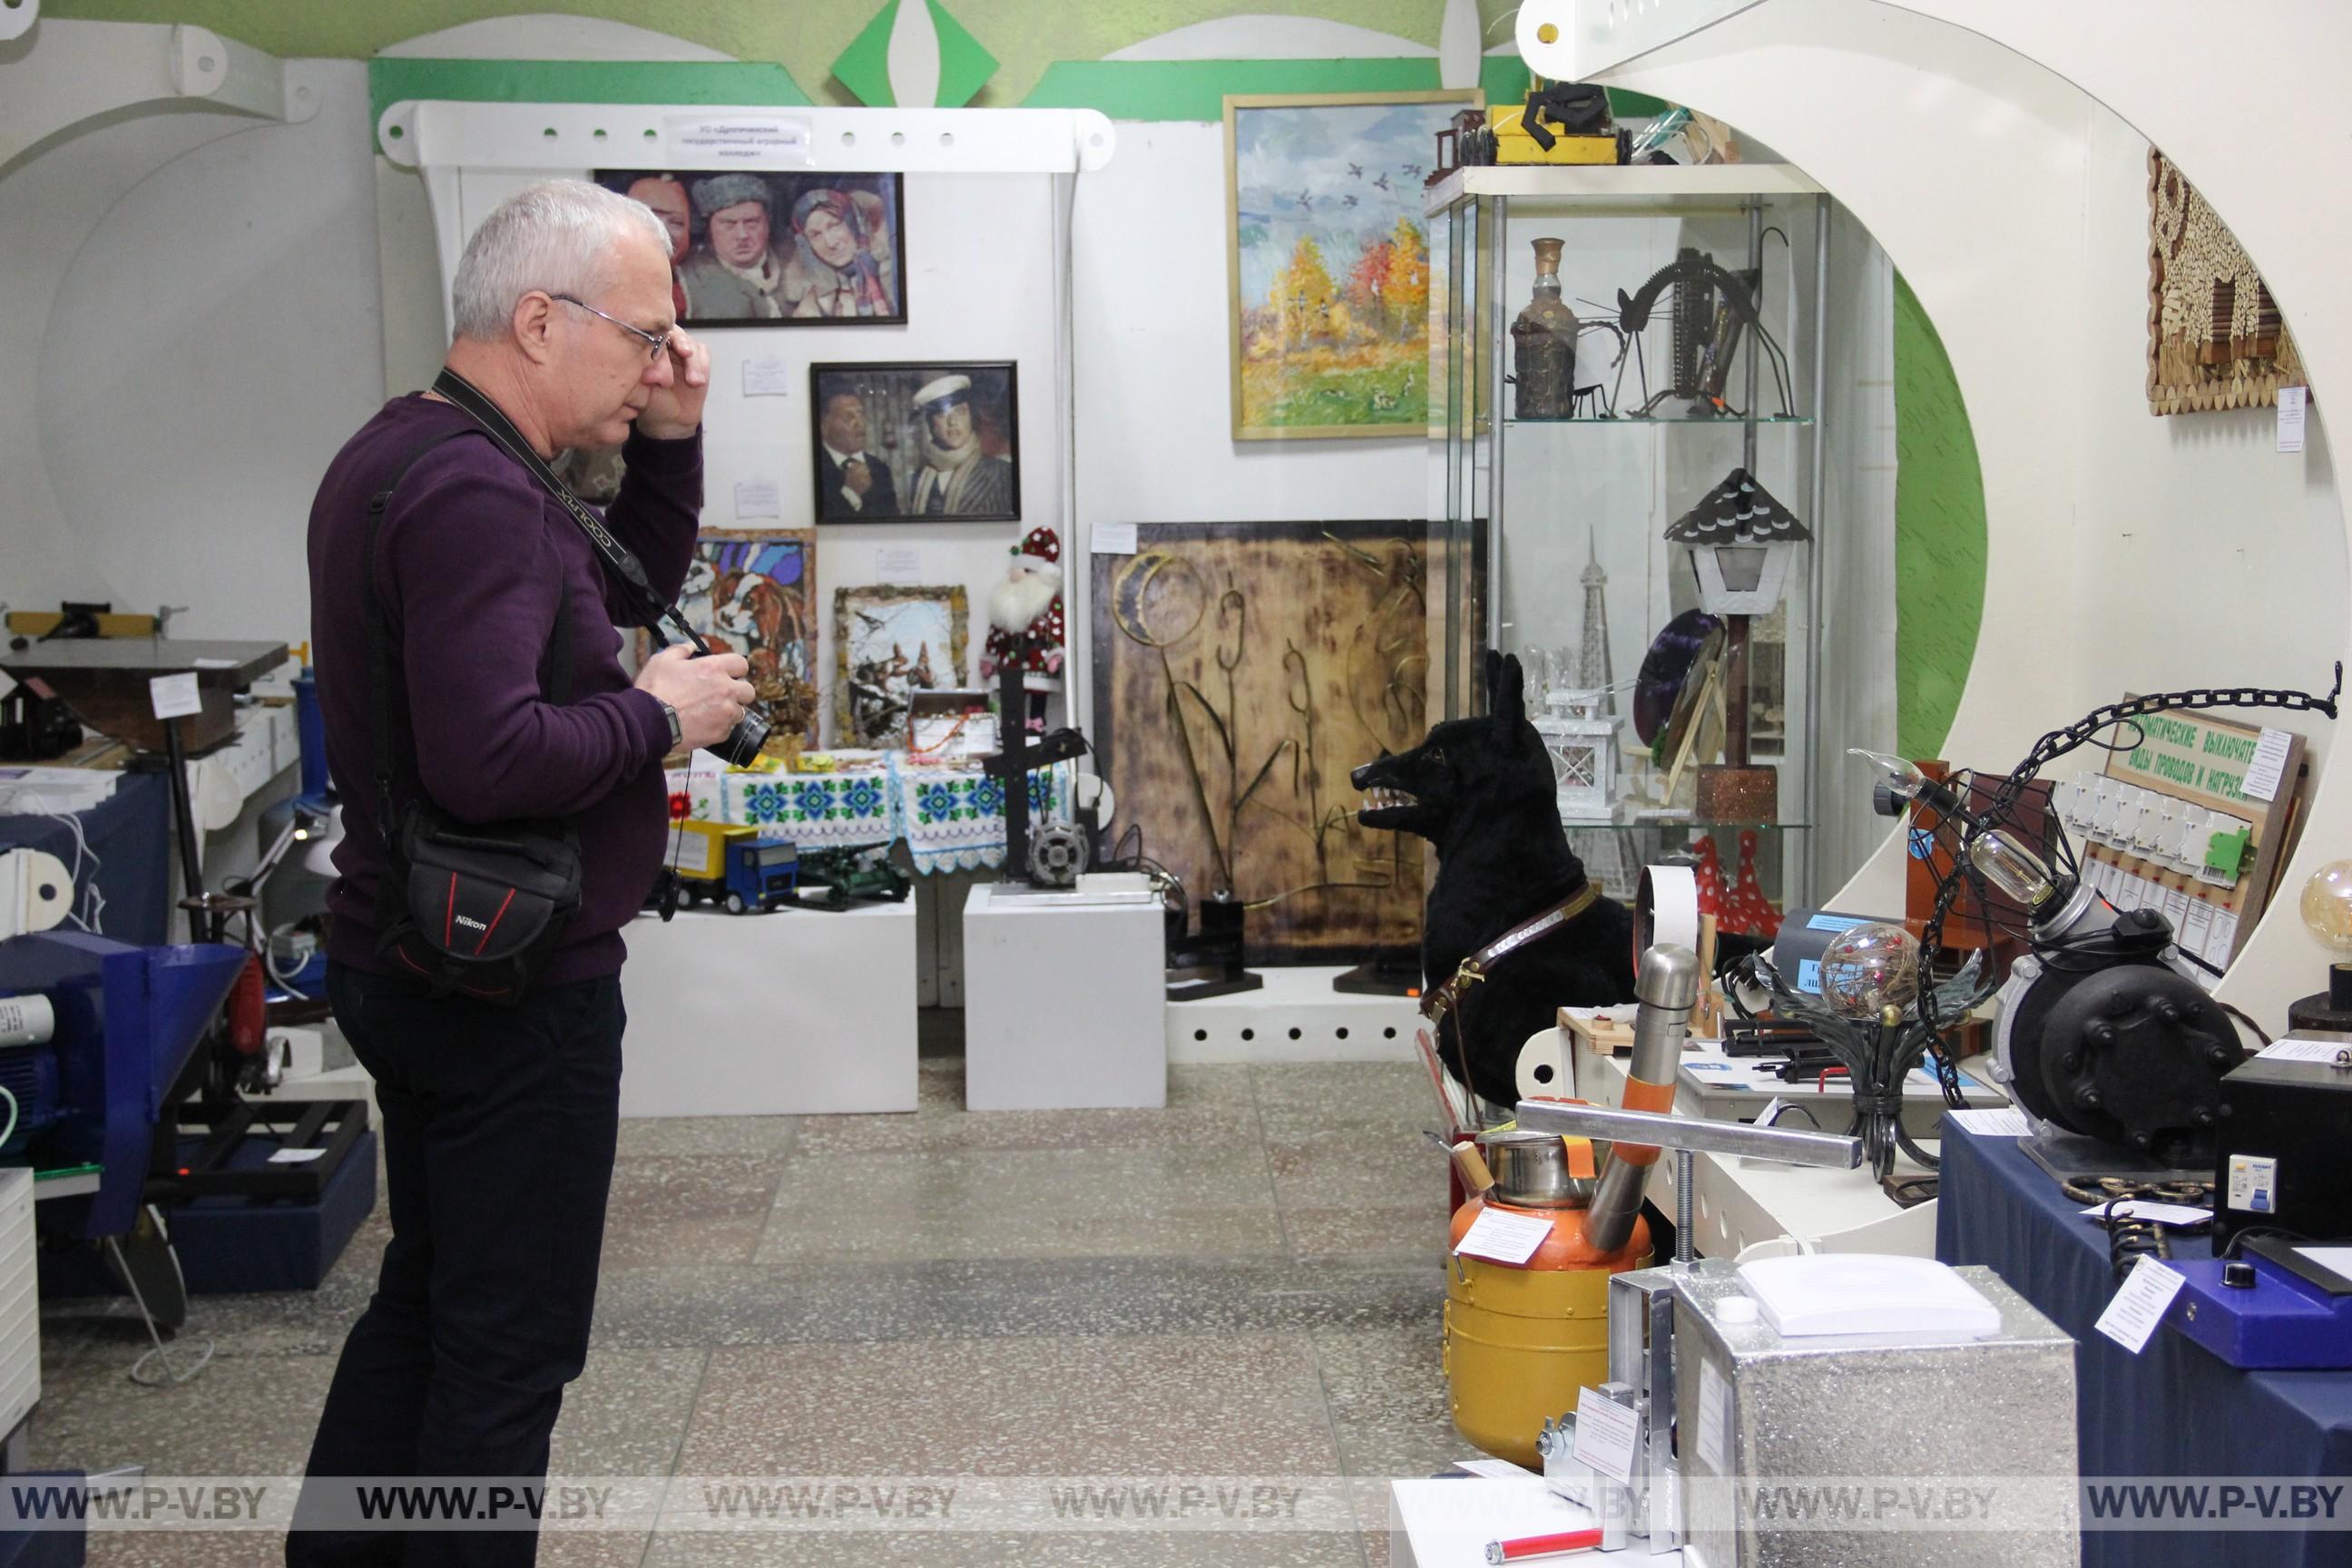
619, 561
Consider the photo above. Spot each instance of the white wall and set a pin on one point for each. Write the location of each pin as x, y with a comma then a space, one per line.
212, 344
2203, 555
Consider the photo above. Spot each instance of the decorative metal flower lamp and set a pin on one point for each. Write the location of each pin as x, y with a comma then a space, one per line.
1868, 1014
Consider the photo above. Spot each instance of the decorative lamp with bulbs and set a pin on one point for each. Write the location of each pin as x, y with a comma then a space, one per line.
2326, 910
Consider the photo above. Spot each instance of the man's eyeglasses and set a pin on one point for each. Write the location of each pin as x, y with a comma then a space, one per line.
655, 343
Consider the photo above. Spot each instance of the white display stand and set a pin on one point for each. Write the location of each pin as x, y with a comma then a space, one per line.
1064, 997
774, 1014
1294, 1016
1447, 1522
1741, 1201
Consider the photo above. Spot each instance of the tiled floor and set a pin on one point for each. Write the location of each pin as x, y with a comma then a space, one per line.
1245, 1284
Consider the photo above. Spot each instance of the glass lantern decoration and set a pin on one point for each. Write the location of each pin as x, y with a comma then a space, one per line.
1582, 742
1543, 344
1742, 544
2326, 910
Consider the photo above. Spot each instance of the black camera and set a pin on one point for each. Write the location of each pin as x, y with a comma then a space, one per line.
741, 747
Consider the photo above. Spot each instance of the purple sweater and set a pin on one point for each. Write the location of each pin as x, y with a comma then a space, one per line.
473, 552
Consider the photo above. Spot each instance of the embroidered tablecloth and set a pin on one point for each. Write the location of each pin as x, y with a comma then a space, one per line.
950, 818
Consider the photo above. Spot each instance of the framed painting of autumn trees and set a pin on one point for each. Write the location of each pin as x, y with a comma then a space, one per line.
1328, 261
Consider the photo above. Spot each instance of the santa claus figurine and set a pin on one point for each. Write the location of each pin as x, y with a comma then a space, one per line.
1024, 611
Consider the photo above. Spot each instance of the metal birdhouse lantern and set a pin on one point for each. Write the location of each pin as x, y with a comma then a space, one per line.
1741, 544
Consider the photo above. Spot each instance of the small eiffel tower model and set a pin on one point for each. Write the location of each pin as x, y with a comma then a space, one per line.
1611, 858
1595, 673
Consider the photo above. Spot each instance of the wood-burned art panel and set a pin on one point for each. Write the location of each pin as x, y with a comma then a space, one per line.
1241, 670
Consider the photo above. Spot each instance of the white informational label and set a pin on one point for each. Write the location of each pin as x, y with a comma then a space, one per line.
2270, 761
175, 696
767, 376
1494, 1469
758, 499
689, 852
295, 1156
1114, 539
2294, 1050
752, 140
2175, 909
2154, 1213
2223, 943
899, 564
2197, 933
1505, 1237
2006, 1122
1606, 1432
2132, 1317
1714, 1420
2290, 423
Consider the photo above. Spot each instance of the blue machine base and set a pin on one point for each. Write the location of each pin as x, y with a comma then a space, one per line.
233, 1246
2283, 1322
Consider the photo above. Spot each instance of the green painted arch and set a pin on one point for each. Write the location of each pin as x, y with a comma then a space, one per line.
1939, 534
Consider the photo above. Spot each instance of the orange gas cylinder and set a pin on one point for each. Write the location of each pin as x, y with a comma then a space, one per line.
1520, 1340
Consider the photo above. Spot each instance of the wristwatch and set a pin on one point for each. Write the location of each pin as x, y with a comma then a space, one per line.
676, 730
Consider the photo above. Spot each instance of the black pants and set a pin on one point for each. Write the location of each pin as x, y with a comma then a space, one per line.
499, 1132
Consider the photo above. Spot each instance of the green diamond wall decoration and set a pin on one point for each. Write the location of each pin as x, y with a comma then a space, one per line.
864, 68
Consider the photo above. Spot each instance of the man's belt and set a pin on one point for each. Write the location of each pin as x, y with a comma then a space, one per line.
1442, 999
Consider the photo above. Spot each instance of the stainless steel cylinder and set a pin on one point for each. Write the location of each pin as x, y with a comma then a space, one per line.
1666, 986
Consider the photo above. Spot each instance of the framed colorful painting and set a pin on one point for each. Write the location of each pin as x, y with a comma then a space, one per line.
1327, 260
753, 592
888, 644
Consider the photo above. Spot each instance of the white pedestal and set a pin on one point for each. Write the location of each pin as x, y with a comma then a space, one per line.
1063, 1000
774, 1014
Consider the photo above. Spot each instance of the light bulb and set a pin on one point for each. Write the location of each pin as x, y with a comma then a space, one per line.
1869, 967
1904, 779
2013, 868
2327, 908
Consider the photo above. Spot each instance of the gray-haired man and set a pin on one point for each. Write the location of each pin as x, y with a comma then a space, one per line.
500, 1121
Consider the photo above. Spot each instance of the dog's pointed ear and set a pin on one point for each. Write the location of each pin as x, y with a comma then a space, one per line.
1493, 670
1508, 695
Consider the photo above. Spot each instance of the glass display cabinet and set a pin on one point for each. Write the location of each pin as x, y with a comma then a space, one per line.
1626, 363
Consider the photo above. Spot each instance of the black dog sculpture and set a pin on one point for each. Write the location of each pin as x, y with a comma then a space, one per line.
1482, 791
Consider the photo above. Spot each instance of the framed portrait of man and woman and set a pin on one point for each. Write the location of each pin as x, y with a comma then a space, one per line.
783, 250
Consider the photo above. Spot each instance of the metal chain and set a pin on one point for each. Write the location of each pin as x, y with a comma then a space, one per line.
2048, 750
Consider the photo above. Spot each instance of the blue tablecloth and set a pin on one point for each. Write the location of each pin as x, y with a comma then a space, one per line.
128, 840
2172, 1410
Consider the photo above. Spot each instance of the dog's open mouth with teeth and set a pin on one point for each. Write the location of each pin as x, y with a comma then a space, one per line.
1384, 804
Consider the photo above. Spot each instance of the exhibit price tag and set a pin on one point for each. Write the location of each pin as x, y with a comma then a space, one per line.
175, 696
1606, 1433
2261, 781
1494, 1469
1114, 539
2147, 1290
1505, 1237
2290, 422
